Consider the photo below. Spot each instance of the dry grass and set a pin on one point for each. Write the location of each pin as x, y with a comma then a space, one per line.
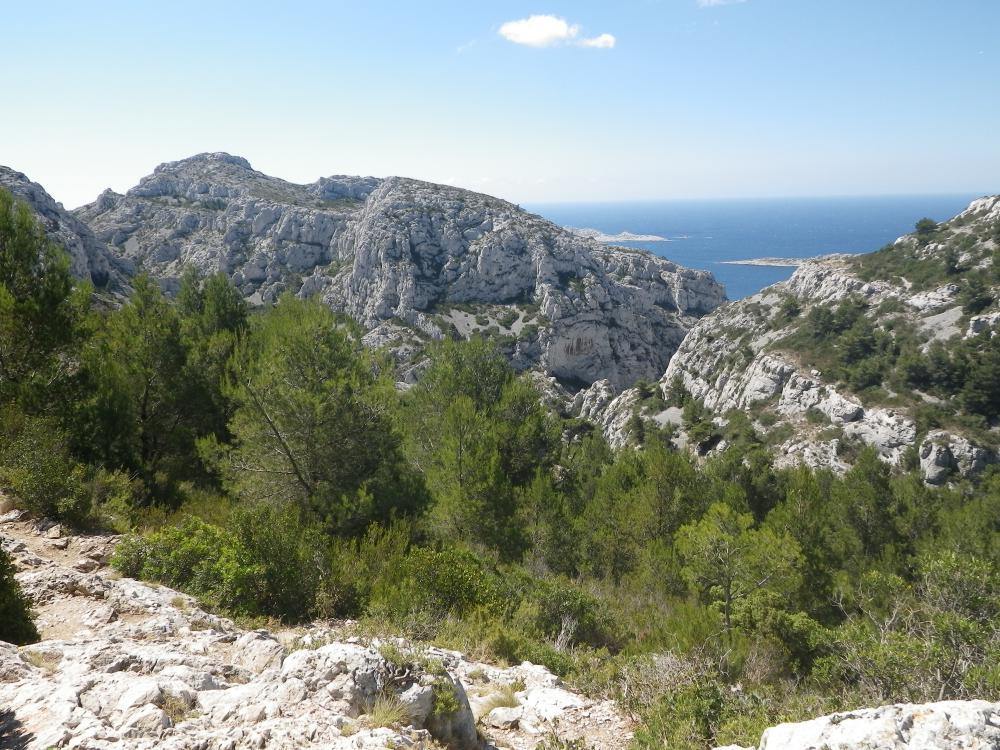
175, 707
389, 711
47, 661
503, 697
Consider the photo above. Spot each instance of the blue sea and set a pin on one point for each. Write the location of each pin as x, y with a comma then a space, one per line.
700, 234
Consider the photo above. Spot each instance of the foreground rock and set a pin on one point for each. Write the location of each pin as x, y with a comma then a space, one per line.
90, 258
970, 725
413, 261
123, 664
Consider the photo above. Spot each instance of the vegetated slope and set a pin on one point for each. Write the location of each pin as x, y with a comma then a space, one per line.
90, 258
413, 261
896, 349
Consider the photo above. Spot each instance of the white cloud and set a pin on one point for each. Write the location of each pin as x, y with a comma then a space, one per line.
714, 3
548, 31
539, 31
604, 41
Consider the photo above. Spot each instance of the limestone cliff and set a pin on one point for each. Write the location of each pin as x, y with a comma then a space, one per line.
413, 261
762, 354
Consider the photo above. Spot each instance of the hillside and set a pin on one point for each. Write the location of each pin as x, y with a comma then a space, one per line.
306, 553
894, 349
413, 261
90, 257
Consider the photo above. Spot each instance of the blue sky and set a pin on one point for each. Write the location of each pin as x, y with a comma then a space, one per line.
693, 100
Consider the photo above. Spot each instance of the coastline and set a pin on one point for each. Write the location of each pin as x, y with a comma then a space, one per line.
773, 262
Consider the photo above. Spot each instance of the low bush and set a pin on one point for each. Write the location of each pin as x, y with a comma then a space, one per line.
37, 467
16, 624
267, 563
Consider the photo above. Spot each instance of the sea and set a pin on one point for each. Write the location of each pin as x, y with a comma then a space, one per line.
703, 234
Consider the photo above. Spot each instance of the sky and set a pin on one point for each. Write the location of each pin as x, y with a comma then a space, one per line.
532, 101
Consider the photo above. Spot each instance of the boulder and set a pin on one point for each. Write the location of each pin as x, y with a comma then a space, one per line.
947, 724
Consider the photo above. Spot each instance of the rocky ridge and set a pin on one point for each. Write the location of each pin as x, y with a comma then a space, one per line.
413, 261
737, 358
90, 258
124, 664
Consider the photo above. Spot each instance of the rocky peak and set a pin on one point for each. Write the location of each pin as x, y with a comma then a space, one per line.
205, 161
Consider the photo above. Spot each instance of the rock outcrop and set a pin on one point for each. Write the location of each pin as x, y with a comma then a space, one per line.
972, 725
428, 259
123, 664
741, 356
90, 258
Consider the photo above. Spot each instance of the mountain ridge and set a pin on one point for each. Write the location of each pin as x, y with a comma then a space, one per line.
402, 256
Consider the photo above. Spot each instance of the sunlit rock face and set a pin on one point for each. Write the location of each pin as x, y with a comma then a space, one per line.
431, 259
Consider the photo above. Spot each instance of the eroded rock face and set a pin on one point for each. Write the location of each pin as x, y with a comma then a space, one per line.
413, 253
735, 358
90, 258
972, 725
123, 664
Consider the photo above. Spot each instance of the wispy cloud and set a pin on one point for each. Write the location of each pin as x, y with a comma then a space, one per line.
548, 31
603, 41
714, 3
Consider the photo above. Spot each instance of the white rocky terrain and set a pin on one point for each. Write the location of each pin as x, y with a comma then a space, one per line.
124, 664
947, 725
735, 358
90, 258
413, 261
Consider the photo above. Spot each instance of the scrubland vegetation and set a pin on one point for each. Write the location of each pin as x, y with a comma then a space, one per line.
266, 463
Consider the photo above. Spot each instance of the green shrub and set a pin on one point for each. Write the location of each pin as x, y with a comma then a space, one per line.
357, 565
507, 318
558, 611
446, 700
37, 467
266, 563
16, 625
442, 582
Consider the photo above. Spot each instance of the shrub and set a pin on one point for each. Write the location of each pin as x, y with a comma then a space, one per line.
446, 700
561, 612
37, 467
441, 582
16, 625
265, 564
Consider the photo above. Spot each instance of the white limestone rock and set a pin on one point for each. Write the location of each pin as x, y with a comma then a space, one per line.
154, 671
980, 323
398, 249
966, 725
